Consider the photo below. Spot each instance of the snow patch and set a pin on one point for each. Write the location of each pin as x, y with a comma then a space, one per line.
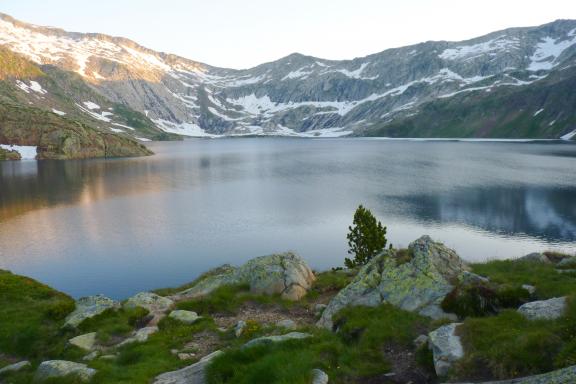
116, 130
91, 105
570, 135
123, 126
547, 51
34, 86
501, 43
186, 129
538, 112
142, 139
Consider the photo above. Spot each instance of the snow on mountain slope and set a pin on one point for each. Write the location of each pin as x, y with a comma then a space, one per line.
296, 95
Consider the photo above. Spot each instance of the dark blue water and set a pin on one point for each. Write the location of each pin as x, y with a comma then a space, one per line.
124, 225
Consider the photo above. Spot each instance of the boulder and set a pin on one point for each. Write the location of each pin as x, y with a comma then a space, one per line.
287, 324
446, 348
193, 374
285, 274
239, 328
14, 367
567, 263
544, 309
530, 288
152, 302
418, 285
61, 368
535, 257
88, 307
187, 317
85, 342
319, 377
560, 376
276, 339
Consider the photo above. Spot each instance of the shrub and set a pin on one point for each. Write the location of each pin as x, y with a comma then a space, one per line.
367, 238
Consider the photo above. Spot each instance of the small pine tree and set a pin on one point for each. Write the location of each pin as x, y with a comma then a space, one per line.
367, 238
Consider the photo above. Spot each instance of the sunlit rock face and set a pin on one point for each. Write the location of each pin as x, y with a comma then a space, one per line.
308, 96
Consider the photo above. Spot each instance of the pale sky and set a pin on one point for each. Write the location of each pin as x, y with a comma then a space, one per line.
242, 34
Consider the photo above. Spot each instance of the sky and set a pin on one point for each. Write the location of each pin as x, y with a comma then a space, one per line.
242, 34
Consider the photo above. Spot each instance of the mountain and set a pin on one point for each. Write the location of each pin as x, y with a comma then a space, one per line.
517, 82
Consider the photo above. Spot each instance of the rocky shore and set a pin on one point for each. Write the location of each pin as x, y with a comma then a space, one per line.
419, 315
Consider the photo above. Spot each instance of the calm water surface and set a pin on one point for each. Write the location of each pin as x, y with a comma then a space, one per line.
124, 225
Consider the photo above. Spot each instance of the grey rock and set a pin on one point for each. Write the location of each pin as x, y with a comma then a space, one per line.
276, 339
85, 342
61, 368
319, 308
420, 341
286, 274
239, 328
287, 324
567, 263
446, 348
152, 302
544, 309
88, 307
535, 257
139, 336
193, 374
91, 356
186, 355
319, 377
417, 286
187, 317
15, 367
561, 376
530, 288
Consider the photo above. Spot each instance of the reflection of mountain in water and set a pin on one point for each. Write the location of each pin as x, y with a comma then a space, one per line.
546, 213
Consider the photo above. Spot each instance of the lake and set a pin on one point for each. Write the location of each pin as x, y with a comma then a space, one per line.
119, 226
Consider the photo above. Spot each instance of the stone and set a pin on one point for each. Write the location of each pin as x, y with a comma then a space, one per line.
420, 341
446, 348
152, 302
186, 355
139, 336
319, 377
61, 368
285, 274
567, 263
544, 309
239, 328
530, 288
15, 367
88, 307
85, 342
187, 317
535, 257
319, 308
418, 285
287, 324
276, 339
560, 376
193, 374
91, 356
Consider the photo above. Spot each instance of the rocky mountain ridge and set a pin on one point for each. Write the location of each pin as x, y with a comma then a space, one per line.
307, 96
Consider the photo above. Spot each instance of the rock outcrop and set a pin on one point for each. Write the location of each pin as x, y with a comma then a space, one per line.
85, 342
193, 374
276, 339
187, 317
88, 307
561, 376
285, 274
446, 348
544, 309
61, 368
418, 285
14, 367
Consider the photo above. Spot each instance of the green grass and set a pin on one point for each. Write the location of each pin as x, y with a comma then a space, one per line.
113, 324
31, 315
329, 281
548, 282
138, 363
509, 345
356, 351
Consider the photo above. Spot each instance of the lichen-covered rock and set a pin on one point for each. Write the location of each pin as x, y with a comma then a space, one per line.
139, 336
419, 285
14, 367
276, 339
88, 307
85, 342
560, 376
286, 274
544, 309
152, 302
239, 328
446, 348
187, 317
62, 368
193, 374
